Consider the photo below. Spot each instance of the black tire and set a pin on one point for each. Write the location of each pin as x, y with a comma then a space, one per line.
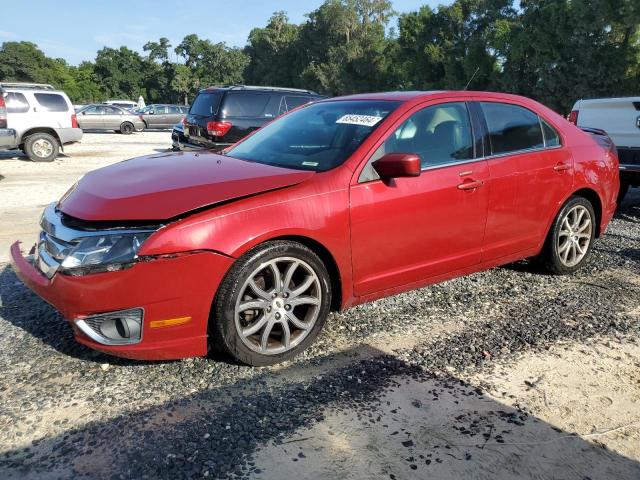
624, 189
222, 325
41, 147
550, 255
127, 128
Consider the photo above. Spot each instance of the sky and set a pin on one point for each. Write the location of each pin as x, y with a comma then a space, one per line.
75, 30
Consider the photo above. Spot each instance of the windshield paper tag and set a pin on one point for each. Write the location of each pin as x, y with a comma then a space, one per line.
364, 120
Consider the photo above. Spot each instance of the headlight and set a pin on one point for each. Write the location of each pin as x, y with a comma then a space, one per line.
103, 253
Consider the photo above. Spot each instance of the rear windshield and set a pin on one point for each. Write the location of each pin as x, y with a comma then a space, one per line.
52, 102
245, 104
205, 104
318, 137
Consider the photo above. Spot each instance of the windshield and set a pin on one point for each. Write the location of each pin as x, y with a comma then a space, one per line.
318, 137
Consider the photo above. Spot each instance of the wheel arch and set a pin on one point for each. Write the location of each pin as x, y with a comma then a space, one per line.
596, 202
329, 262
47, 130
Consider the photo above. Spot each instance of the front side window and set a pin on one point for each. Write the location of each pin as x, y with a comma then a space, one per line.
52, 102
318, 137
439, 135
511, 128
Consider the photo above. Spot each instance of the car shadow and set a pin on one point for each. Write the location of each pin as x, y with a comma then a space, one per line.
421, 422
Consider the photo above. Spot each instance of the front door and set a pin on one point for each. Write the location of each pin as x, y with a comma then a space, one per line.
409, 229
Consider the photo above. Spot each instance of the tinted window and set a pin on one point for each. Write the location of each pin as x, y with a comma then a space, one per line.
551, 137
174, 110
512, 128
439, 134
293, 102
318, 137
245, 104
52, 102
16, 103
205, 104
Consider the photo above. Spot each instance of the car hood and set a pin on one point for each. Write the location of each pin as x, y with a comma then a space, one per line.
159, 187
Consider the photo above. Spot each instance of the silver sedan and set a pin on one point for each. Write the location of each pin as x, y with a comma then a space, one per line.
108, 117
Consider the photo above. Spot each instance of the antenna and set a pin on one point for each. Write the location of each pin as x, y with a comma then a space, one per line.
471, 79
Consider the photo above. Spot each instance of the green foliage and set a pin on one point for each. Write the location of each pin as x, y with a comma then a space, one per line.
552, 50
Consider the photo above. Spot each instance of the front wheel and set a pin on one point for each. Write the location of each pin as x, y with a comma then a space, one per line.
272, 303
571, 237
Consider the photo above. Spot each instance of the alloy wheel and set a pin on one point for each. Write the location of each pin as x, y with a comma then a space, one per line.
574, 236
42, 148
278, 305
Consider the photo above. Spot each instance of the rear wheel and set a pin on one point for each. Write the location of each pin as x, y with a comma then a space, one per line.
272, 304
41, 147
571, 237
126, 128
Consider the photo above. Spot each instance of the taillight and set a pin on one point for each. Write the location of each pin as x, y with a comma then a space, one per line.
184, 121
3, 112
573, 117
74, 121
218, 129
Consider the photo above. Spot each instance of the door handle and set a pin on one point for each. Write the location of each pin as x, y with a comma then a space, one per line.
561, 167
470, 185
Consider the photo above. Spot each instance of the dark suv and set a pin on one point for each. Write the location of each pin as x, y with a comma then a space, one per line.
220, 116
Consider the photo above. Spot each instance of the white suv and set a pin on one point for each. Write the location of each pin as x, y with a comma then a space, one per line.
37, 119
620, 118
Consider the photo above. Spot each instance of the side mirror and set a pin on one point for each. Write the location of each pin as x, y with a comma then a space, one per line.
395, 165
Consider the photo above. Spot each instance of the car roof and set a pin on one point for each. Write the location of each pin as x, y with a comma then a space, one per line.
415, 96
255, 88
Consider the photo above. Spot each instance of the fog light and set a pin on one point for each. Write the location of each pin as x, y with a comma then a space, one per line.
114, 328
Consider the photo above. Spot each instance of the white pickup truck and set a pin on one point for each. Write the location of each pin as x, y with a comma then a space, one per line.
620, 119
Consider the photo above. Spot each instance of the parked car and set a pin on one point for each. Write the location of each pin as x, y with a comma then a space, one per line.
108, 117
337, 203
37, 119
620, 119
161, 115
219, 117
126, 104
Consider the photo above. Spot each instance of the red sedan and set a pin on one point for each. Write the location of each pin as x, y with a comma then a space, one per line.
336, 203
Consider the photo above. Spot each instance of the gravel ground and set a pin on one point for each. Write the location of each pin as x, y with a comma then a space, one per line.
69, 412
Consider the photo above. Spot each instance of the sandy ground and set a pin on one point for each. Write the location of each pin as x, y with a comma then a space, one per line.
27, 187
573, 412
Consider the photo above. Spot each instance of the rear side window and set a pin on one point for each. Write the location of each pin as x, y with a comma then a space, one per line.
512, 128
551, 137
174, 110
184, 109
16, 103
205, 104
245, 104
52, 102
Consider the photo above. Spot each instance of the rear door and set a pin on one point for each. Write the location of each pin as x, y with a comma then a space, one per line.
530, 172
112, 117
410, 229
